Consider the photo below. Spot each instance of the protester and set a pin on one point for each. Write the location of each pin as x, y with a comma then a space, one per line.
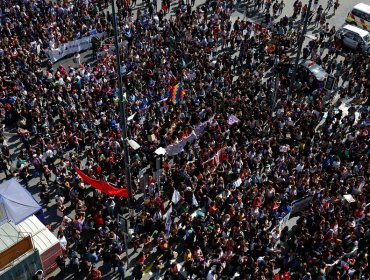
240, 147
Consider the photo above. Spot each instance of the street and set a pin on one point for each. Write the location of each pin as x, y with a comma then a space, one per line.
50, 213
334, 20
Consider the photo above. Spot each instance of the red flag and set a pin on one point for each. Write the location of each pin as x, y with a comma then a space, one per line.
102, 186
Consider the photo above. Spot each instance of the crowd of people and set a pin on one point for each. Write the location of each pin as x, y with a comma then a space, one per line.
217, 203
35, 26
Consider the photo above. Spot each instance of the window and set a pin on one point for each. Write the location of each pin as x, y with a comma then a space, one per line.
357, 39
362, 15
367, 17
357, 13
367, 38
348, 35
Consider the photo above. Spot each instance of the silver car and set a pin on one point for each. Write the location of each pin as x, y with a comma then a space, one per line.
354, 38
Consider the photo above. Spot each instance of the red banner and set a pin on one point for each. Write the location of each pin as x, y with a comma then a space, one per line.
102, 186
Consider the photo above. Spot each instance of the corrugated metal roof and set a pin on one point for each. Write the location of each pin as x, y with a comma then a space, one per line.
42, 238
9, 235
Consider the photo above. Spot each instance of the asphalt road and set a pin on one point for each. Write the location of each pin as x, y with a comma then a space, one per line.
16, 146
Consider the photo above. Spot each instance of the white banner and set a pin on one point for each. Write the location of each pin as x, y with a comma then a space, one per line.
167, 216
174, 149
73, 47
176, 197
177, 148
283, 222
111, 49
195, 202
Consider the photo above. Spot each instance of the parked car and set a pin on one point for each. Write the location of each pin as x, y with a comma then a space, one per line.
354, 38
360, 16
307, 72
313, 74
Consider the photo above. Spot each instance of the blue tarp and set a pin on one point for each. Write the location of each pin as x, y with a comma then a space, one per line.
16, 203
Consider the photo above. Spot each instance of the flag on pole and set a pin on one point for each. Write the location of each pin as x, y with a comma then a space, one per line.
176, 197
195, 202
168, 220
232, 119
164, 106
168, 213
168, 226
176, 93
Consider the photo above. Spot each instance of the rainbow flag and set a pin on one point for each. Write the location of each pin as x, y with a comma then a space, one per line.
176, 93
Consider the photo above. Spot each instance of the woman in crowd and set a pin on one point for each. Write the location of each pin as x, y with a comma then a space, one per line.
258, 147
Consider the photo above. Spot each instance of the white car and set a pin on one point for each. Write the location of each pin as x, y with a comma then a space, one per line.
354, 37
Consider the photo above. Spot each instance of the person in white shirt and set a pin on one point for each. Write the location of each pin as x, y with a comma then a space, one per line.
63, 242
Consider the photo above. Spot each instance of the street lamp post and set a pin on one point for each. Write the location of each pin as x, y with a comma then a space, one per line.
123, 124
274, 93
300, 44
122, 109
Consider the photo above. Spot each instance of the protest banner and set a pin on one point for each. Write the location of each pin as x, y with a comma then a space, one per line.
74, 46
220, 156
174, 149
283, 222
300, 204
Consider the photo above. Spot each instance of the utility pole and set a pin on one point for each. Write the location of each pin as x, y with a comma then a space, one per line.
274, 93
122, 110
124, 225
300, 44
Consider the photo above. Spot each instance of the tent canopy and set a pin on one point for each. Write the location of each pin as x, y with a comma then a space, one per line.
16, 203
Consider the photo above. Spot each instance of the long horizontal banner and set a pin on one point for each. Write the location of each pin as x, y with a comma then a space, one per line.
73, 47
176, 148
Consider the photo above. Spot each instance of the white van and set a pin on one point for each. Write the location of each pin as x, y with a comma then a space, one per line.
354, 37
360, 16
